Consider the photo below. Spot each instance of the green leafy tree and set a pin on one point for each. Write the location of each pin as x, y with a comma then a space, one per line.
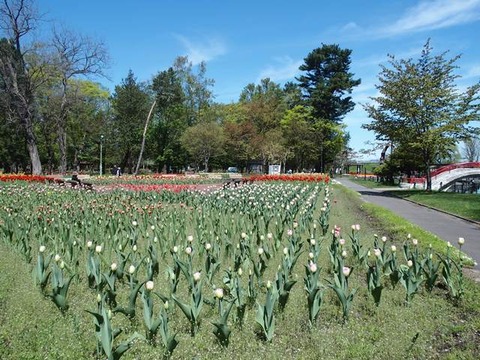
292, 95
170, 120
299, 134
183, 98
239, 133
420, 107
273, 148
13, 152
196, 87
203, 142
130, 105
87, 120
263, 104
326, 86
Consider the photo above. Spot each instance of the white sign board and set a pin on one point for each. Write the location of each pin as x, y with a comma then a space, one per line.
274, 169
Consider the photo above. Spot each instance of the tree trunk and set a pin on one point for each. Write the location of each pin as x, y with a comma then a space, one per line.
62, 147
143, 138
429, 179
33, 152
25, 115
61, 129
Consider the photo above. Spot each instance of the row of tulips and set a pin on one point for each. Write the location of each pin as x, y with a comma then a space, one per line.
304, 177
23, 177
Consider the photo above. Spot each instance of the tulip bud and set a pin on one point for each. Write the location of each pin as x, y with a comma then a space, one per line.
131, 269
461, 241
218, 293
42, 249
149, 285
346, 271
196, 276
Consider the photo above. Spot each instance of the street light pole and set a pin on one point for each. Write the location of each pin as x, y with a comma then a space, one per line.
101, 155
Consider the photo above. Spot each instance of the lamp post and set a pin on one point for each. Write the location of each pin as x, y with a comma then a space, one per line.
101, 155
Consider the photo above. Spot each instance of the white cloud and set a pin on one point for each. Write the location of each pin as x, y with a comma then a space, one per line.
436, 14
202, 51
285, 69
424, 16
351, 26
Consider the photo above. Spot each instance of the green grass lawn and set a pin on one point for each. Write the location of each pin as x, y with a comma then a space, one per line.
369, 182
465, 205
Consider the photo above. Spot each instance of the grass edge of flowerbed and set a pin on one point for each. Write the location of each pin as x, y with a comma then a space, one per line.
396, 226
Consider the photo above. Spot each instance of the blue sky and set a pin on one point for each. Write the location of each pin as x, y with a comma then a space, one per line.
245, 41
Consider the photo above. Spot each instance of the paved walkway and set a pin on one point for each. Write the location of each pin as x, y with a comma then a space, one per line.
446, 227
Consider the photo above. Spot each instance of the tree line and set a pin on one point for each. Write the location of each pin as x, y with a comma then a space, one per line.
55, 117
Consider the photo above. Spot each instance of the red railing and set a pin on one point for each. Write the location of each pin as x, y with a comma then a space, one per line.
414, 180
454, 166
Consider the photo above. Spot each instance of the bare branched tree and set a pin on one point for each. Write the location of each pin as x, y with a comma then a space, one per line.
75, 56
17, 19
